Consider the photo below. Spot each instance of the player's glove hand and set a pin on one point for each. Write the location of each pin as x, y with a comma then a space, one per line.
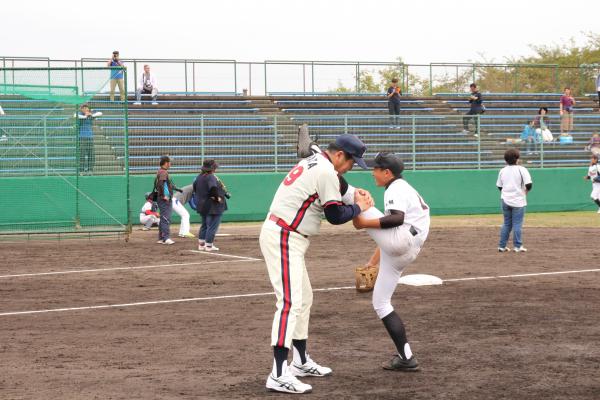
365, 277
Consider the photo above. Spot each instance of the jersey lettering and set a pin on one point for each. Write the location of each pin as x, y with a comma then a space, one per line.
293, 175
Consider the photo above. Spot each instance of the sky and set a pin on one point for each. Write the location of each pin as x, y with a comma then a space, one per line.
420, 31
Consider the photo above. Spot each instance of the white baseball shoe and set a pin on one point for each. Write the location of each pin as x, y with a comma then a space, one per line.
520, 249
599, 211
503, 249
211, 248
169, 241
287, 383
309, 368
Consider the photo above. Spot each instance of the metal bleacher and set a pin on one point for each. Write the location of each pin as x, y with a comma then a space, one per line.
258, 133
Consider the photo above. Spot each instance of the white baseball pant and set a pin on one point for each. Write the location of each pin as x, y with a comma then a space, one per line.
149, 220
595, 191
184, 227
398, 248
284, 252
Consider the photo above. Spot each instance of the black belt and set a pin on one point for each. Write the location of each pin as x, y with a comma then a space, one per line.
413, 231
284, 225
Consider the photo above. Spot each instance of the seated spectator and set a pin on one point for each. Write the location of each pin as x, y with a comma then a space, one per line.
530, 137
146, 85
540, 123
594, 144
149, 216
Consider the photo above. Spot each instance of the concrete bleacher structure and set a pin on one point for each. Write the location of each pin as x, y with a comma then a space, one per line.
258, 133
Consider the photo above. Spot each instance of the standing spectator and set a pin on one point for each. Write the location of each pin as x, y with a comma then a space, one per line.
3, 138
594, 175
87, 155
393, 94
598, 89
1, 111
566, 112
514, 182
164, 189
211, 203
476, 107
540, 123
149, 216
180, 199
116, 76
146, 85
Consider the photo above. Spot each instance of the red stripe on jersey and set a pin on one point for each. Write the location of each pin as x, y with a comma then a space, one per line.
302, 211
329, 203
285, 278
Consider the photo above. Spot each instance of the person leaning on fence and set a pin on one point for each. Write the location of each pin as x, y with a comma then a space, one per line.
163, 186
567, 102
146, 85
116, 76
211, 197
476, 108
393, 95
87, 154
514, 182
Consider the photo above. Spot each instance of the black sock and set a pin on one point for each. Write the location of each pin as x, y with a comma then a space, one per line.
395, 328
280, 354
300, 345
597, 201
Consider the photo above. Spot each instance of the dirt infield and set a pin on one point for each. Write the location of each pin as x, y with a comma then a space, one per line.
527, 337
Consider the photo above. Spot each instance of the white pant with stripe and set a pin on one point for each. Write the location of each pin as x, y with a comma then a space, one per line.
284, 252
398, 248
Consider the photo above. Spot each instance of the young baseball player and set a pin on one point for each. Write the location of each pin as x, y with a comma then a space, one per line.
180, 198
310, 189
400, 233
149, 216
594, 175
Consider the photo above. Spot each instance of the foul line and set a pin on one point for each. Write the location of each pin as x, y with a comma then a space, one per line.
82, 271
213, 253
238, 296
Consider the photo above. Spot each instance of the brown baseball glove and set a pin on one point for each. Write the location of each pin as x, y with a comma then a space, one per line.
365, 278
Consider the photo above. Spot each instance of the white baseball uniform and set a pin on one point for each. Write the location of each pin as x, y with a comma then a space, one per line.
399, 246
593, 172
179, 200
148, 219
294, 215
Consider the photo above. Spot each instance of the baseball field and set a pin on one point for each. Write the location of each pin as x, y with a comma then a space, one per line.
106, 319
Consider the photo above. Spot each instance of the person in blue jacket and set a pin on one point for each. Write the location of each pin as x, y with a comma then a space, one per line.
210, 195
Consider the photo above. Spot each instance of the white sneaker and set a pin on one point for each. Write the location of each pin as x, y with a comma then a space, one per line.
169, 241
599, 211
309, 368
520, 249
211, 248
155, 103
137, 103
287, 383
503, 249
160, 242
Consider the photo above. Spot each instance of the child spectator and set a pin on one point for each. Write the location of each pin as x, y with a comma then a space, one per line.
594, 175
149, 216
146, 85
87, 154
594, 144
530, 137
567, 102
116, 76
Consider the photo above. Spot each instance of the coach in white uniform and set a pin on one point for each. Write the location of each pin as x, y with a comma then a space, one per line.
311, 189
400, 233
514, 181
594, 175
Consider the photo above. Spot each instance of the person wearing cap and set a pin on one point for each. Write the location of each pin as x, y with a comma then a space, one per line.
399, 233
309, 190
164, 188
211, 203
116, 76
149, 216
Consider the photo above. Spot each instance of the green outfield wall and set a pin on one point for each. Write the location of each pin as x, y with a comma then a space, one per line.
102, 198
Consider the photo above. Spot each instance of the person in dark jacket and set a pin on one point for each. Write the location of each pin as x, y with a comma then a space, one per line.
164, 188
476, 107
211, 202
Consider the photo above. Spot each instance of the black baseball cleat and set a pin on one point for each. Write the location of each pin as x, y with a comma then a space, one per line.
305, 143
398, 364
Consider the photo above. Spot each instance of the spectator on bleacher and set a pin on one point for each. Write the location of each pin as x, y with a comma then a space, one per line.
566, 112
514, 182
540, 123
164, 188
594, 144
530, 137
146, 85
87, 154
598, 89
1, 111
116, 76
393, 95
476, 108
210, 195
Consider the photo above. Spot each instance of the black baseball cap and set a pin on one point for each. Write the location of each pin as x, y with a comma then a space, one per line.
389, 161
352, 145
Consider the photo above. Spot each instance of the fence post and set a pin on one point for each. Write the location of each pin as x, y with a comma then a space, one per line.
357, 77
4, 73
478, 141
312, 76
304, 78
266, 92
542, 154
345, 124
414, 143
49, 78
250, 78
185, 75
275, 134
193, 77
45, 146
430, 80
235, 77
135, 88
202, 137
556, 82
127, 180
